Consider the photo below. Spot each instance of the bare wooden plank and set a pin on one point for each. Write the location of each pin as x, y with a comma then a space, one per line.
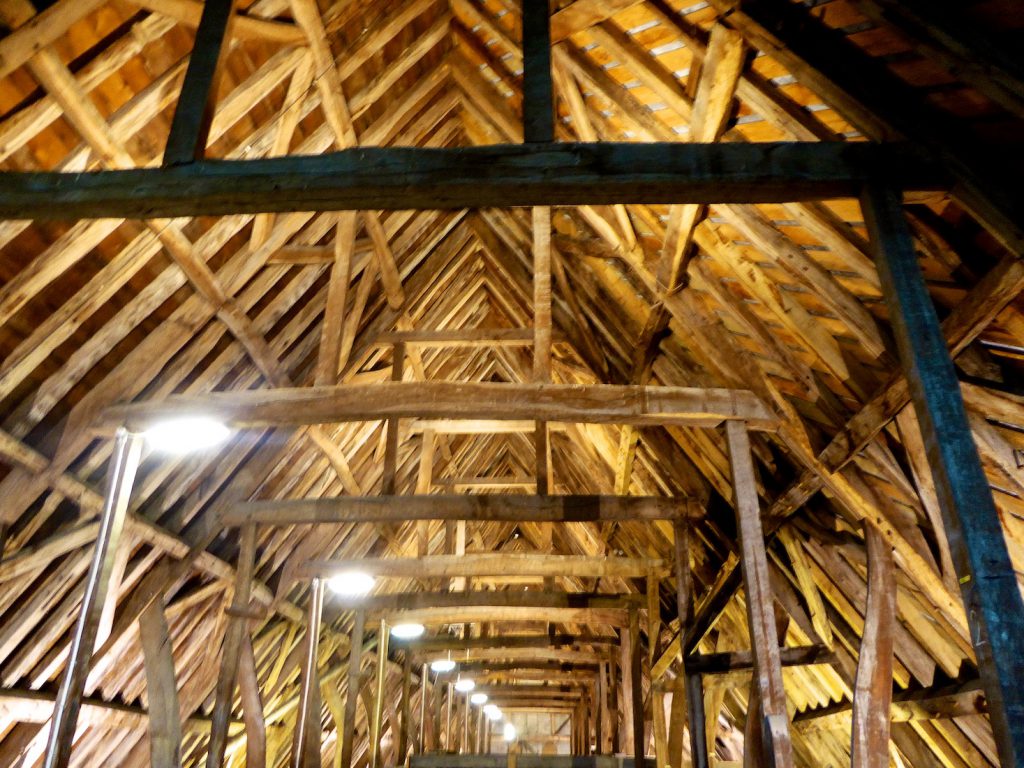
367, 509
193, 114
351, 699
760, 614
593, 404
161, 688
489, 564
872, 695
252, 707
472, 177
988, 583
237, 627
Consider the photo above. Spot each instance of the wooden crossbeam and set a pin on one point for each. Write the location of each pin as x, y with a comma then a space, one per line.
473, 177
376, 509
489, 564
593, 404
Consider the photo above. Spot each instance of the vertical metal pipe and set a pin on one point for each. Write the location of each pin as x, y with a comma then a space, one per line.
355, 654
424, 680
306, 750
120, 476
378, 702
695, 694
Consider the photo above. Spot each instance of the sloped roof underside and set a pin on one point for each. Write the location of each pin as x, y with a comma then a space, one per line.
783, 300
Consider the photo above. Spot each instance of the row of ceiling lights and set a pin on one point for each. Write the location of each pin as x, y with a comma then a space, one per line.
194, 433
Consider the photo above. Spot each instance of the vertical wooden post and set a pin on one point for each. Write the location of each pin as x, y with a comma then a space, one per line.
872, 695
161, 688
538, 101
542, 336
625, 688
760, 613
237, 627
193, 114
252, 707
988, 582
694, 708
406, 710
598, 706
391, 447
448, 742
355, 653
306, 747
424, 682
636, 692
377, 719
123, 464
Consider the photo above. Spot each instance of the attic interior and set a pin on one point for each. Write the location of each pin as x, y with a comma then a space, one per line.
484, 383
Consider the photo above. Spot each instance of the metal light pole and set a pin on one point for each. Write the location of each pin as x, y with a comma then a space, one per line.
306, 751
123, 466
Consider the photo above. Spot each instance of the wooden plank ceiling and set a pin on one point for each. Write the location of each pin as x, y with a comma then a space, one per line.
782, 300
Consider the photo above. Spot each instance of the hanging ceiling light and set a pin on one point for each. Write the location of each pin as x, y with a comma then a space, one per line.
478, 699
464, 685
441, 666
509, 732
188, 433
351, 583
407, 631
492, 712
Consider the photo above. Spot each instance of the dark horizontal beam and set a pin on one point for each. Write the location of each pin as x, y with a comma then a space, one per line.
501, 508
731, 661
474, 177
434, 644
412, 601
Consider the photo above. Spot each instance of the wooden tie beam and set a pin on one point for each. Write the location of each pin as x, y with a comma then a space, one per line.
537, 509
474, 177
469, 401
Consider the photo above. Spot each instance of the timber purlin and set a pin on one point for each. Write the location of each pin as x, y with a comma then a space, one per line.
395, 178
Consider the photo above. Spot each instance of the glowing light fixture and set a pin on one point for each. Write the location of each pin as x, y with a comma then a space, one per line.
351, 583
464, 685
478, 698
442, 665
189, 433
407, 631
492, 712
509, 732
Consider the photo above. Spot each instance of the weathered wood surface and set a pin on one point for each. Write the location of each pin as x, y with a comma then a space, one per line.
565, 174
489, 564
369, 509
596, 404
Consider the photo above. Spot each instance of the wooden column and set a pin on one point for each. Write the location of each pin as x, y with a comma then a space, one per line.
252, 708
872, 694
760, 612
402, 736
988, 582
233, 637
694, 709
194, 111
352, 698
421, 747
306, 746
391, 447
161, 688
377, 717
538, 102
542, 336
123, 464
636, 691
